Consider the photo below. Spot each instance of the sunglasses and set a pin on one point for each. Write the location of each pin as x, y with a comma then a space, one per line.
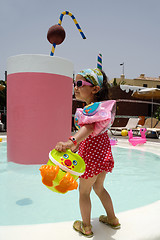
81, 83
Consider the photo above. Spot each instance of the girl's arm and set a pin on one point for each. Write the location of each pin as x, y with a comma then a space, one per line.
75, 148
82, 133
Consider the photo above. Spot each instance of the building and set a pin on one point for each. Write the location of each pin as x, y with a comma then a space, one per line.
127, 105
141, 81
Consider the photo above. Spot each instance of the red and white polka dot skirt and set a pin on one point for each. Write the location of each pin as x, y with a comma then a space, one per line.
96, 152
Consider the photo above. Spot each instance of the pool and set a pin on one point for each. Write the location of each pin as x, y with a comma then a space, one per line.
135, 182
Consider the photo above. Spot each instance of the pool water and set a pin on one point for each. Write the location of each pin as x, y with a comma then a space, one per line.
134, 182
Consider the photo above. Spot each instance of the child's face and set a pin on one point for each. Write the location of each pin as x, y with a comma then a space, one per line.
84, 93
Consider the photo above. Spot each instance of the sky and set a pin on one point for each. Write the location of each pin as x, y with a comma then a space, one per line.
121, 30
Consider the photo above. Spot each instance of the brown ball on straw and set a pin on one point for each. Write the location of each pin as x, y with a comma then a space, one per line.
56, 34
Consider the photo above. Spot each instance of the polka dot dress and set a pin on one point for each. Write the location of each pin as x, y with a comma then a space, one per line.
96, 152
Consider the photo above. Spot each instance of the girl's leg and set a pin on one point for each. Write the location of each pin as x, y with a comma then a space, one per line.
84, 199
105, 197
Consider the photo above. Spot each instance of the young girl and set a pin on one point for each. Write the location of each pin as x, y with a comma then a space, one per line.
94, 146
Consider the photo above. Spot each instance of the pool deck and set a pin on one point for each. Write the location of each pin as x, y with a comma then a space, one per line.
137, 224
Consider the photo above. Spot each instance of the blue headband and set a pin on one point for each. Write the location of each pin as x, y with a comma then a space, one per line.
94, 76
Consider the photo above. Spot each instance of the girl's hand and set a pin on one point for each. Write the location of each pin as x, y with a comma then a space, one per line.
82, 133
63, 146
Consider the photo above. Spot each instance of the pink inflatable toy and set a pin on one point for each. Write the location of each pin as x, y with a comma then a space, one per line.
137, 140
113, 141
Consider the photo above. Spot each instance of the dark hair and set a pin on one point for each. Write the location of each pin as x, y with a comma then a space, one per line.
103, 93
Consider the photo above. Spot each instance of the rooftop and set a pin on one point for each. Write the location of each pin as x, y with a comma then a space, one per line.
142, 77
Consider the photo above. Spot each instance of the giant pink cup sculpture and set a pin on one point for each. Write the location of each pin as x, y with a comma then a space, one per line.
39, 106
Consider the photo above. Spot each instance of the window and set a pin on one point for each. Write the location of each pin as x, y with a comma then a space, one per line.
144, 85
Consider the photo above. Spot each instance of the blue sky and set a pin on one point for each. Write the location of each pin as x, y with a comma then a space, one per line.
122, 30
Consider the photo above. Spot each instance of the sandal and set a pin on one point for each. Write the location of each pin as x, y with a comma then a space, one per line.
104, 219
79, 227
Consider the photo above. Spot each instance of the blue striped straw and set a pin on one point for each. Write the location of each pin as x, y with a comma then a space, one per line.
99, 61
60, 22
